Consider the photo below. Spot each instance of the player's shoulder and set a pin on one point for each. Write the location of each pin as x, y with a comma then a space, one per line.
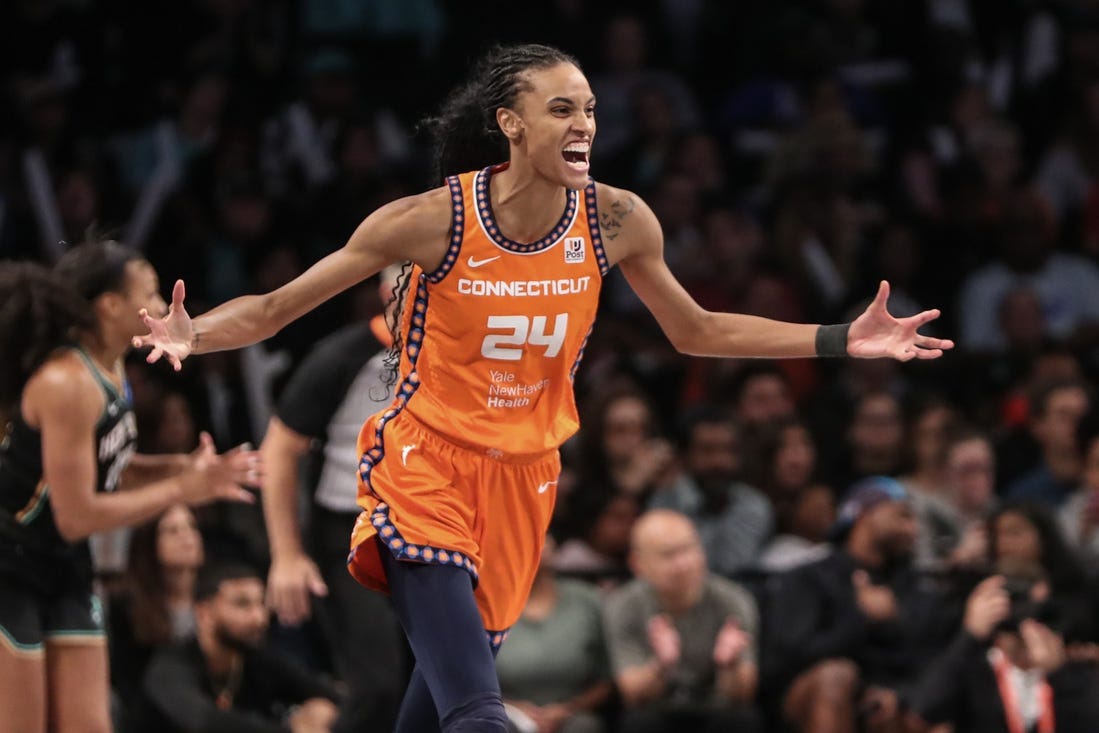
427, 209
623, 212
62, 381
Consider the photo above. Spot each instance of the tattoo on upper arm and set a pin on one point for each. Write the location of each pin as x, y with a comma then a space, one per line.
611, 221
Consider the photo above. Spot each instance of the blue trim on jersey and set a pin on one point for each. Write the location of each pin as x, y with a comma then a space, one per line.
596, 234
580, 354
484, 208
457, 228
413, 342
496, 639
8, 640
402, 549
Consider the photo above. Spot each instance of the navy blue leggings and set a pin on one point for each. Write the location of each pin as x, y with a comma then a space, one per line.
453, 688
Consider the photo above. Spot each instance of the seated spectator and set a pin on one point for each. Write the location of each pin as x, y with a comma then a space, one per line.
227, 679
850, 629
732, 518
1079, 515
783, 459
927, 428
1055, 411
803, 524
1007, 671
875, 441
952, 514
1025, 542
620, 450
553, 670
598, 552
156, 605
682, 640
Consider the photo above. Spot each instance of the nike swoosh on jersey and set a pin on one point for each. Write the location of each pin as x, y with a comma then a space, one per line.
477, 263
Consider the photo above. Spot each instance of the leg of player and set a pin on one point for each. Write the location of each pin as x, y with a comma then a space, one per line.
22, 687
79, 684
436, 607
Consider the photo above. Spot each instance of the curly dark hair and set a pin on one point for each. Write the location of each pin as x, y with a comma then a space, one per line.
39, 313
464, 134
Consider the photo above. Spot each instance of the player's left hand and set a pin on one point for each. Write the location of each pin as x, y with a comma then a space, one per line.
876, 333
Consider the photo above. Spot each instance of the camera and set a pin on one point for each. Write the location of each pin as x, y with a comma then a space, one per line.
1023, 605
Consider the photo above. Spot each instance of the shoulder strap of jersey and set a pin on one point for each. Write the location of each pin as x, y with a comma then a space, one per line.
108, 386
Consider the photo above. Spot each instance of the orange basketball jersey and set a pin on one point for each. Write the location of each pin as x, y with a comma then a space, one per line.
492, 339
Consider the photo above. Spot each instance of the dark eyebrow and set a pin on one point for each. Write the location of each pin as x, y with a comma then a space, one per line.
566, 100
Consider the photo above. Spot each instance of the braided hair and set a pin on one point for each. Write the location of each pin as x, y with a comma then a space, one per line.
464, 134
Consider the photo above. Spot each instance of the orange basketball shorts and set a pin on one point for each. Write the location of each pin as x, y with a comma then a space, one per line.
429, 500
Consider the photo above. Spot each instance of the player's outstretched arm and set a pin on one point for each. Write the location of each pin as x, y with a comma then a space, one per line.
413, 228
634, 240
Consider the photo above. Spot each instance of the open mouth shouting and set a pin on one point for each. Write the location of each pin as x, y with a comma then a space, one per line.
576, 156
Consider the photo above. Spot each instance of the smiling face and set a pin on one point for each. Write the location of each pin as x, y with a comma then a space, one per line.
552, 124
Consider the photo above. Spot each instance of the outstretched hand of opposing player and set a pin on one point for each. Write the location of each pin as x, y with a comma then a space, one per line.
876, 333
213, 477
170, 336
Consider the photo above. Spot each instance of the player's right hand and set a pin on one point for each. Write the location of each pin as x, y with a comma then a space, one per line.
212, 477
171, 336
290, 585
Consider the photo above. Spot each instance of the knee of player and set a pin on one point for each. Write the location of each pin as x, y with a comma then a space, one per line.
483, 713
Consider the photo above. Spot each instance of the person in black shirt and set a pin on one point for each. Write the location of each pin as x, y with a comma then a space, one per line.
227, 679
1007, 672
311, 443
67, 435
846, 632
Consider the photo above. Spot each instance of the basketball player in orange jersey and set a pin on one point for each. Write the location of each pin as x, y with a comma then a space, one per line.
458, 475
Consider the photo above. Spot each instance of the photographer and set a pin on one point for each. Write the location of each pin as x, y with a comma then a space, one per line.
1007, 671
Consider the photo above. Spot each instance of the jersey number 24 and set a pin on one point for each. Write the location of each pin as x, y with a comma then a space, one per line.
517, 331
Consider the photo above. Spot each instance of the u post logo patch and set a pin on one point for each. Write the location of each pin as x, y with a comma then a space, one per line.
574, 250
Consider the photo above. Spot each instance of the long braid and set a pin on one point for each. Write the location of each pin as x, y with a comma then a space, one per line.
464, 134
393, 319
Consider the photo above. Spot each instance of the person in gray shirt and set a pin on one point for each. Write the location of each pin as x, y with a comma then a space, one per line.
682, 640
732, 518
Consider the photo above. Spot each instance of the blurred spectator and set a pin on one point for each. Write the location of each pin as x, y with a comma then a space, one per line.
732, 518
787, 457
952, 514
925, 434
1026, 544
803, 522
1079, 515
156, 605
310, 446
1007, 671
852, 628
759, 392
1055, 411
1066, 284
683, 642
554, 669
600, 543
227, 678
626, 73
620, 447
875, 440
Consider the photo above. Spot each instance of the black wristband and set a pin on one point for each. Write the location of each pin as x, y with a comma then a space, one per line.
832, 340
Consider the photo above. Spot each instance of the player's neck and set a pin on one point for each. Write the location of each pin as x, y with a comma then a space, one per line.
526, 205
105, 353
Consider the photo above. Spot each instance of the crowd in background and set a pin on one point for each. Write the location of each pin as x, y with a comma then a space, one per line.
843, 514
